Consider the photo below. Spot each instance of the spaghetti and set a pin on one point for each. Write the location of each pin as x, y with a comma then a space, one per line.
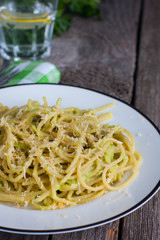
53, 158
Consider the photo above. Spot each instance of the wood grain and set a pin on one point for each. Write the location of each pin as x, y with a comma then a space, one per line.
144, 224
106, 232
101, 54
10, 236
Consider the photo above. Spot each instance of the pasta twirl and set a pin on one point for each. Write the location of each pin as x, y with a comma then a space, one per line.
53, 158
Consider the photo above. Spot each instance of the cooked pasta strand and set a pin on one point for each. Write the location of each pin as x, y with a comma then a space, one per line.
54, 158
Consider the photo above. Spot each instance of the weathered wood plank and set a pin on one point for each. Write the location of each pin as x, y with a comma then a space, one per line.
100, 54
11, 236
147, 97
108, 233
144, 224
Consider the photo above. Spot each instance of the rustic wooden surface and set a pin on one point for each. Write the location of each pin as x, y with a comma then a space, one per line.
145, 221
119, 55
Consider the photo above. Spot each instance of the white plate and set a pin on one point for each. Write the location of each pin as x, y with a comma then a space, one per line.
109, 207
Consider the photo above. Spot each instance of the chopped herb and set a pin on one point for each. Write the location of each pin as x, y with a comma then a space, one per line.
68, 8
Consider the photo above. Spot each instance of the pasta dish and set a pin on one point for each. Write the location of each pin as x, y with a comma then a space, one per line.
52, 157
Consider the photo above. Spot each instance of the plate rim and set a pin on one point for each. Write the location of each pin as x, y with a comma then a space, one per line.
87, 226
89, 89
99, 223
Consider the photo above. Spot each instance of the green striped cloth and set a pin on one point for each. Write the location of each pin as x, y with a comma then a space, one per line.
35, 72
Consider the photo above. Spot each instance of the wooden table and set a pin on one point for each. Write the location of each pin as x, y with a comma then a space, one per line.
119, 55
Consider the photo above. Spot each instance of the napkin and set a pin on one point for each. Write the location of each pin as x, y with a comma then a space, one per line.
35, 72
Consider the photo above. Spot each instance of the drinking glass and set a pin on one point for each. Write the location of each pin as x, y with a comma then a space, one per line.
26, 28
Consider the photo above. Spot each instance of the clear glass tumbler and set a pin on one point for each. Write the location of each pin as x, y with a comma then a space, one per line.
26, 28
